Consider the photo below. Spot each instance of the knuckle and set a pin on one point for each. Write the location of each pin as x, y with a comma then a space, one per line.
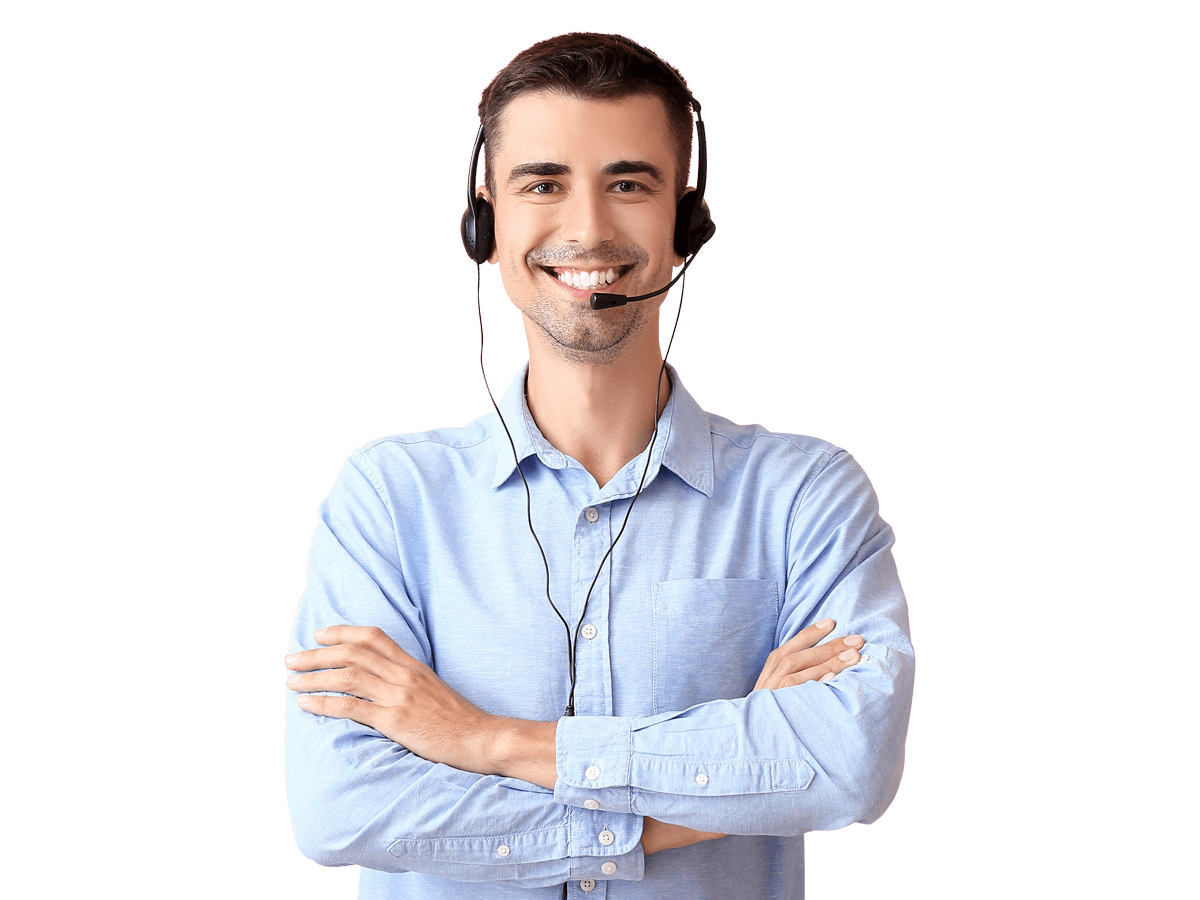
347, 677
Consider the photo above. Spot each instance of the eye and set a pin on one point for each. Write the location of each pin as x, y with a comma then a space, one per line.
627, 187
542, 187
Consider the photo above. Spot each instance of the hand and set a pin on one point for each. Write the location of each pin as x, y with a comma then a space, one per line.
398, 696
800, 660
658, 835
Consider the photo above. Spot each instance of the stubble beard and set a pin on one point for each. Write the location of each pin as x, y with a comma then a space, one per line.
578, 333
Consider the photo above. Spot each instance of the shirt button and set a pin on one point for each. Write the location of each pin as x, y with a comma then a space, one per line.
607, 837
503, 850
591, 514
587, 885
702, 779
592, 773
589, 631
608, 868
591, 804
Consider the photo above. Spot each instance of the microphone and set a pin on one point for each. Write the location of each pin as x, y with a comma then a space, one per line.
610, 301
606, 301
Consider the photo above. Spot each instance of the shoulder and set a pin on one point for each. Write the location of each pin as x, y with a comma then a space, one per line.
796, 466
448, 441
440, 454
755, 445
756, 438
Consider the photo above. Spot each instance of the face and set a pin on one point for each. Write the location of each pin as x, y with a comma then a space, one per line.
584, 202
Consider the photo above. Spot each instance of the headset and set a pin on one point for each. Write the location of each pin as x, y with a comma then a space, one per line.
694, 227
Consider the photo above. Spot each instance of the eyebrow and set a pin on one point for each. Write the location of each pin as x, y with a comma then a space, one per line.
620, 167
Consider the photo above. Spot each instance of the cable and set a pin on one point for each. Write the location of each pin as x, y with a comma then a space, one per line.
573, 639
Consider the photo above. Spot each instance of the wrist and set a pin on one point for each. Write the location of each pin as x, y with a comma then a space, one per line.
518, 748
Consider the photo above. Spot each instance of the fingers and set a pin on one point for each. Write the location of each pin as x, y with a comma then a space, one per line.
807, 637
344, 680
802, 659
361, 662
802, 672
362, 711
350, 645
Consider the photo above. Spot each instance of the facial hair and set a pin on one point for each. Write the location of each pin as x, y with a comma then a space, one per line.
581, 334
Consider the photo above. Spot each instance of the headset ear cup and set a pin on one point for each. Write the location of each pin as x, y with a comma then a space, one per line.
702, 228
683, 222
693, 226
478, 230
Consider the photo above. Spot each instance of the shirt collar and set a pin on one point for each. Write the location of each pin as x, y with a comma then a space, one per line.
684, 443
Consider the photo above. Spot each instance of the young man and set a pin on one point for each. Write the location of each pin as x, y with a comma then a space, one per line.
615, 718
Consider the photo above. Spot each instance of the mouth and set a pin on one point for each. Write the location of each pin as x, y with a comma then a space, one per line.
586, 279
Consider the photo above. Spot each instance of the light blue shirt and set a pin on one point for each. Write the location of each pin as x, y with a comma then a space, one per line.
740, 538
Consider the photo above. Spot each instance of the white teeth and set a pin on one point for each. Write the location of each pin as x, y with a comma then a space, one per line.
579, 279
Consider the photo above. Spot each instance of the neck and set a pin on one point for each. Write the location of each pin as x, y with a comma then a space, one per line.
600, 415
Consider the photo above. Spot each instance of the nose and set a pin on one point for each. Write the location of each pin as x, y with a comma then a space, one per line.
586, 219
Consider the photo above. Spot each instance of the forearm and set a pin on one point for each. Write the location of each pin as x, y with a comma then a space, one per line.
812, 757
357, 798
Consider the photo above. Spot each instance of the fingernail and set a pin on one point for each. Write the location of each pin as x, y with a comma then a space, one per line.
290, 658
303, 699
825, 623
320, 633
848, 655
292, 679
828, 676
855, 640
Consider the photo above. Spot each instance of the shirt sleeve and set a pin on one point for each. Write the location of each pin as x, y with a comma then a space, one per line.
815, 756
358, 798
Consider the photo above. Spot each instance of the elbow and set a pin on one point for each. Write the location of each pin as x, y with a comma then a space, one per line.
868, 782
319, 842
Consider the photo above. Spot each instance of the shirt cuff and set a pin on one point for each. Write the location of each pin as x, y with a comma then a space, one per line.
592, 754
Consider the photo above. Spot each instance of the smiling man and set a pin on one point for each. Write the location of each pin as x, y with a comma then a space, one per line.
585, 644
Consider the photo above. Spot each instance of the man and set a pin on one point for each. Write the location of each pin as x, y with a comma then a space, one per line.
615, 718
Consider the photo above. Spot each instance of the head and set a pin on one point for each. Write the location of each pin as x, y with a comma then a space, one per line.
586, 66
588, 140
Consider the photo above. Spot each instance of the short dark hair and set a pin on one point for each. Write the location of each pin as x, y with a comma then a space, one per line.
590, 67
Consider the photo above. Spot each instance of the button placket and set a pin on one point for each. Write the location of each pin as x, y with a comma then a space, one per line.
593, 674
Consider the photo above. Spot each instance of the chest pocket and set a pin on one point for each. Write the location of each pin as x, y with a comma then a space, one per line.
711, 638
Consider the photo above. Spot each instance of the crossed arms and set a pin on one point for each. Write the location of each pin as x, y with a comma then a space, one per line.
401, 773
403, 699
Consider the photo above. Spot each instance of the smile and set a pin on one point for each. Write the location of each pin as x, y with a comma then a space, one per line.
587, 278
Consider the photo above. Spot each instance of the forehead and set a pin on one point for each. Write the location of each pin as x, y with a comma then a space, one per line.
586, 135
